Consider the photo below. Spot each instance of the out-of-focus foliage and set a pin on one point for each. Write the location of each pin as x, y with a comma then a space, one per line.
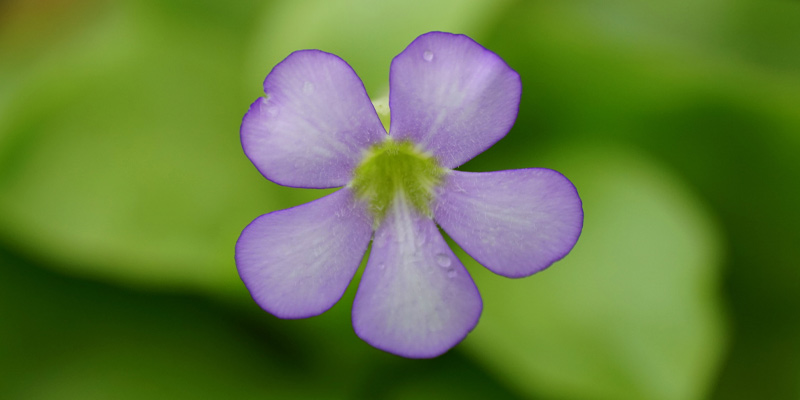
123, 187
632, 312
121, 153
367, 33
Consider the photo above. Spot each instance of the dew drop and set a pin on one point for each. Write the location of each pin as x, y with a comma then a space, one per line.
420, 238
443, 260
380, 240
308, 88
427, 55
451, 273
382, 266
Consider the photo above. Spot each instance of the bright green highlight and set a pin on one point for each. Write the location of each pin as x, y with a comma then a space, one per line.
390, 169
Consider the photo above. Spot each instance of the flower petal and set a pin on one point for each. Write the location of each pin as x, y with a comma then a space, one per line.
415, 298
515, 222
452, 96
311, 128
297, 262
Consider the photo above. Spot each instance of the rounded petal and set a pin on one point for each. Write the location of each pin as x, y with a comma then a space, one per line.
297, 263
516, 222
312, 125
415, 298
452, 96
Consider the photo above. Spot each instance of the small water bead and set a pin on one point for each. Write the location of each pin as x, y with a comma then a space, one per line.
382, 266
451, 273
443, 260
380, 240
420, 239
427, 55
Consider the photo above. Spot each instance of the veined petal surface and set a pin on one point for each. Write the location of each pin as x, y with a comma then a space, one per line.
452, 96
514, 222
312, 125
415, 299
297, 262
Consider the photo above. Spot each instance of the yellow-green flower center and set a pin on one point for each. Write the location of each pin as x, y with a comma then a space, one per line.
392, 169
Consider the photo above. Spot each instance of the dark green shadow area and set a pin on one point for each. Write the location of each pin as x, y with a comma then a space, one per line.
738, 158
65, 338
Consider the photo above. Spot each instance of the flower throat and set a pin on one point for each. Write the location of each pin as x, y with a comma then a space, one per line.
392, 169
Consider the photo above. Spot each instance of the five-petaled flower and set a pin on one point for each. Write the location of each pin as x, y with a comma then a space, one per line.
450, 99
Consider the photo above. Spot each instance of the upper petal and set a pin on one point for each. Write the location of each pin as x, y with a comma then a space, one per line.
452, 96
515, 222
415, 298
312, 125
297, 263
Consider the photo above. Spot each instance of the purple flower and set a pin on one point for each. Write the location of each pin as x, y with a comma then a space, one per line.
450, 99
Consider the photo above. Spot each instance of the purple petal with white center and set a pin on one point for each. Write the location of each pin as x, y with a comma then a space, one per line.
297, 262
415, 298
312, 125
452, 96
515, 222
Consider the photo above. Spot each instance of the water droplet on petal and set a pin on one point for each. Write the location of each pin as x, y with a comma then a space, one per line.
382, 266
451, 273
380, 240
443, 260
308, 88
427, 55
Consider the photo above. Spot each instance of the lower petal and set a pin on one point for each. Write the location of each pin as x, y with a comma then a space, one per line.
415, 299
515, 222
297, 263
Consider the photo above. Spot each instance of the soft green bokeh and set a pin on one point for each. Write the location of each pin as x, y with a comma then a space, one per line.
123, 188
632, 312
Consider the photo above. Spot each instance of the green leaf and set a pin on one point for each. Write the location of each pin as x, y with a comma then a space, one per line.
632, 312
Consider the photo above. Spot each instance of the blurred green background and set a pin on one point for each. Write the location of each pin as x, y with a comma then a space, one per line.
123, 188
